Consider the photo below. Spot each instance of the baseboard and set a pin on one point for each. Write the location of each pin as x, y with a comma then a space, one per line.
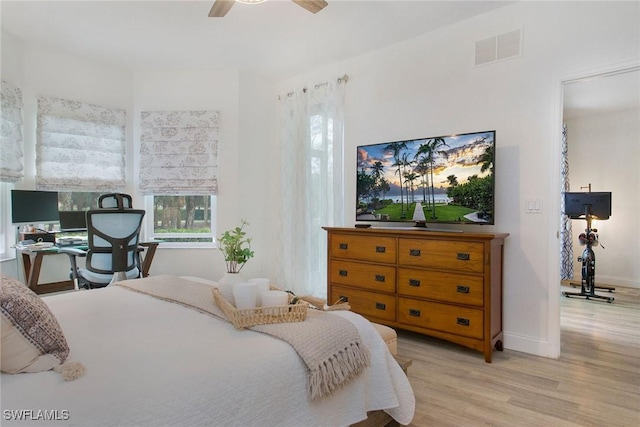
530, 345
617, 281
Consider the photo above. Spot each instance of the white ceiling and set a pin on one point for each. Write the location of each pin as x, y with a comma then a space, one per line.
277, 37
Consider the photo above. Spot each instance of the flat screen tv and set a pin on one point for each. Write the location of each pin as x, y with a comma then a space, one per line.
596, 203
34, 207
451, 178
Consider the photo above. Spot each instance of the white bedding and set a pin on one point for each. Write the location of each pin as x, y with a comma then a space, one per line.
154, 363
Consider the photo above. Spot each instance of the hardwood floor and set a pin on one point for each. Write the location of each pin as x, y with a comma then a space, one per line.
596, 381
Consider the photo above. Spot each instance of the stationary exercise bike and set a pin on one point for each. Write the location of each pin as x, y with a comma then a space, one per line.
590, 203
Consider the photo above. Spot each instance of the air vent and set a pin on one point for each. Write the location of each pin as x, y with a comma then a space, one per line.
497, 48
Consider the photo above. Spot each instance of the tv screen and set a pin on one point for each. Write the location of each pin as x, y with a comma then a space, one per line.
597, 203
33, 207
449, 178
73, 221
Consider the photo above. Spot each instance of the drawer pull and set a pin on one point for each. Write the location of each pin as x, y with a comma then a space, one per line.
380, 278
381, 306
413, 312
462, 289
342, 273
342, 299
381, 249
344, 246
414, 282
414, 252
463, 256
462, 321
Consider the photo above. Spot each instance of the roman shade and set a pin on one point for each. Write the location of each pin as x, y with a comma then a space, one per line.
79, 146
179, 152
11, 134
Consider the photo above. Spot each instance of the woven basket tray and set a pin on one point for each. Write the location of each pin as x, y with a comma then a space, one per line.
260, 315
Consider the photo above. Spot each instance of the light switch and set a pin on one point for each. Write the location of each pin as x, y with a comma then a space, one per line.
538, 206
533, 206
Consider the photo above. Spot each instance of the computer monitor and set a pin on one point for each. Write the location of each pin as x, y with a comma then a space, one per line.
73, 221
598, 204
34, 207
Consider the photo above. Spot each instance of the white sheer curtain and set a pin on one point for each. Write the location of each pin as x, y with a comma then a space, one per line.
11, 157
179, 152
80, 146
312, 122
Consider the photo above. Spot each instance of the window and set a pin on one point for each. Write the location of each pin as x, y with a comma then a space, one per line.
7, 231
311, 190
181, 220
178, 175
11, 160
79, 146
78, 200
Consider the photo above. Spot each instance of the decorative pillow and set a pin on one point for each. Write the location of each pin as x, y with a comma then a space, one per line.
32, 340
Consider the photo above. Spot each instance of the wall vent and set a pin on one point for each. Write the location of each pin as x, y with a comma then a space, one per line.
497, 48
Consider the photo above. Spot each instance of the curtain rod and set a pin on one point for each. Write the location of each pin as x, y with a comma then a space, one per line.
342, 79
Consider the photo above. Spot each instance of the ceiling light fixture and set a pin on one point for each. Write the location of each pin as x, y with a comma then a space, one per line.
251, 1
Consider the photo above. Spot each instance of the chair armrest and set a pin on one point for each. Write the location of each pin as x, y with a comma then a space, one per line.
72, 252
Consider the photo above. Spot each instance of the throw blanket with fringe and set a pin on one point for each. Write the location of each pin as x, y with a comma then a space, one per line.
329, 345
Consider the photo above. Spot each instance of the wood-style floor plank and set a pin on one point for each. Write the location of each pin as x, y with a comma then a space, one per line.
595, 382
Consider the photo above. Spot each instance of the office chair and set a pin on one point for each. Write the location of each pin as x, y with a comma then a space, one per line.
113, 252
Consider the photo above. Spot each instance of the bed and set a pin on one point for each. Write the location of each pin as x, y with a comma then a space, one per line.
152, 362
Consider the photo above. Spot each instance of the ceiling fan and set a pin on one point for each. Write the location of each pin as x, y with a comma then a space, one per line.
221, 7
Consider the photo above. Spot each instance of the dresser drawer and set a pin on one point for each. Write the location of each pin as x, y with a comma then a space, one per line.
449, 287
368, 304
442, 317
367, 276
365, 248
442, 254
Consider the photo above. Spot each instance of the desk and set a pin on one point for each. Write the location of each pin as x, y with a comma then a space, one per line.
148, 257
32, 264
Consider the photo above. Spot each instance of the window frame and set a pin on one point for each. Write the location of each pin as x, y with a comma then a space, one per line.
150, 235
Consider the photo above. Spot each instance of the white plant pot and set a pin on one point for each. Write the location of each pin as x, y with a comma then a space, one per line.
225, 284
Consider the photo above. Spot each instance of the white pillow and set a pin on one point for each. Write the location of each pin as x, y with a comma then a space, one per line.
32, 340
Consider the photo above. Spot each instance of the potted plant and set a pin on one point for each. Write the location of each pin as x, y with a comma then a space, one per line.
236, 248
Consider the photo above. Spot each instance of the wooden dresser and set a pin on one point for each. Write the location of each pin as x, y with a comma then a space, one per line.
443, 284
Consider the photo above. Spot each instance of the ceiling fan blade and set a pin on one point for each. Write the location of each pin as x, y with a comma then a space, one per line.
220, 8
313, 6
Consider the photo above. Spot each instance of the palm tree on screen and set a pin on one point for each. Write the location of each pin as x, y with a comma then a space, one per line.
429, 149
396, 148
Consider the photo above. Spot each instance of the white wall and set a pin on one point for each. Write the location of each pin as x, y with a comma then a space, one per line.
245, 171
429, 86
191, 90
604, 151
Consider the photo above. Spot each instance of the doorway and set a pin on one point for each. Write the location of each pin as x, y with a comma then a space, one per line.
602, 115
